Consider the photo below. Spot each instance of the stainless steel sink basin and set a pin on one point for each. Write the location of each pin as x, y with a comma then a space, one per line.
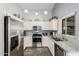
57, 39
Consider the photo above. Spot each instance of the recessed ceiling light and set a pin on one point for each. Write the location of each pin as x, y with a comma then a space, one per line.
26, 10
45, 12
36, 13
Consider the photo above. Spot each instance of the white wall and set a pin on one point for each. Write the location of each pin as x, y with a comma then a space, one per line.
63, 9
11, 8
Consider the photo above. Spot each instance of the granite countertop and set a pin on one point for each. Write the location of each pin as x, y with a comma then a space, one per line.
66, 46
70, 50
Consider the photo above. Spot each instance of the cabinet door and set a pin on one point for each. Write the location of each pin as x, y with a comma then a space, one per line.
59, 51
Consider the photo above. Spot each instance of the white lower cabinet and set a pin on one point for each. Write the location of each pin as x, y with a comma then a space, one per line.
47, 42
27, 41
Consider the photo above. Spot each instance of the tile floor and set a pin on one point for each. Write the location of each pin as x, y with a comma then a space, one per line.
30, 51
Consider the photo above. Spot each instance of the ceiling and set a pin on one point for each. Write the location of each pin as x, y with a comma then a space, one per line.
37, 7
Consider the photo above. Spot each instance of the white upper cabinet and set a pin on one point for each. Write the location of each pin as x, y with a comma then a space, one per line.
53, 24
29, 25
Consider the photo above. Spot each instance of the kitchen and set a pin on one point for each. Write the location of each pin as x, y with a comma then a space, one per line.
55, 33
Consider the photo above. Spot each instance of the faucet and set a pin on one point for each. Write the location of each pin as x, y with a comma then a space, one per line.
64, 38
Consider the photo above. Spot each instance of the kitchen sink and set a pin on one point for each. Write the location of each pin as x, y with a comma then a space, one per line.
57, 39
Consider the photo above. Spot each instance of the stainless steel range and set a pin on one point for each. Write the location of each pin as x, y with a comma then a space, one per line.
37, 37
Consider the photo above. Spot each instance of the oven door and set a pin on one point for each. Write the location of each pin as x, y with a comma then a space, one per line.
37, 42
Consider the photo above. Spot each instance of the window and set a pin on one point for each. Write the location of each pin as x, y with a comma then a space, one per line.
68, 25
71, 25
